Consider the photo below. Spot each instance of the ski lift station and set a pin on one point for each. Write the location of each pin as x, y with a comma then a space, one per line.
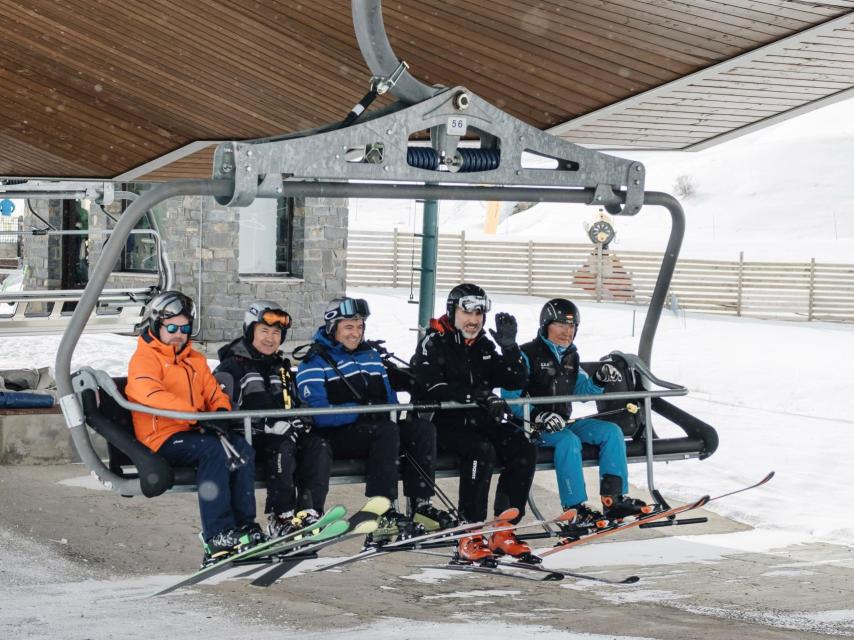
144, 149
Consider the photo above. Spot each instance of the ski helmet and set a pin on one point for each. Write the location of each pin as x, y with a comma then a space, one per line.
340, 308
468, 296
559, 310
266, 312
169, 304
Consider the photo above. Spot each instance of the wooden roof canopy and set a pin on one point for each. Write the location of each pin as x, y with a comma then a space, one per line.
139, 89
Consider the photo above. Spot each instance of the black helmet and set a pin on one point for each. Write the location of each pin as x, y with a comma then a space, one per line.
559, 310
168, 305
468, 296
266, 312
339, 308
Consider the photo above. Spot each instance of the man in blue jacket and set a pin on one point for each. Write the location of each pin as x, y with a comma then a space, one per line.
552, 362
342, 370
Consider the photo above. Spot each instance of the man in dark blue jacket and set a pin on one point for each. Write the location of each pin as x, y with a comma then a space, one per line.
342, 370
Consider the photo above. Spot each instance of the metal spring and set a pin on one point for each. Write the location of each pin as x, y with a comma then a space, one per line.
472, 159
422, 158
479, 159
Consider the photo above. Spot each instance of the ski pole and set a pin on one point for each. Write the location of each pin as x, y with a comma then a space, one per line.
235, 460
433, 484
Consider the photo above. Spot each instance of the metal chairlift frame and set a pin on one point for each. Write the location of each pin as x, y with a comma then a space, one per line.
119, 300
330, 162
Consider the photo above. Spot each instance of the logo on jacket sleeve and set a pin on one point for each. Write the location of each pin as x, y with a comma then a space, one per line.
306, 392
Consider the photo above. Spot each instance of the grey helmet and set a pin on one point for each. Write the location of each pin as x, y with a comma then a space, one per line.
266, 312
339, 308
169, 304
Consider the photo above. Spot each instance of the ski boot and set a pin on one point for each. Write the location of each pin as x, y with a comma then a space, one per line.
505, 542
615, 505
250, 535
474, 549
393, 525
431, 518
305, 518
618, 506
585, 521
280, 524
220, 546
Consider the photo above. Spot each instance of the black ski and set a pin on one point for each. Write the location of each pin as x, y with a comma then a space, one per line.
499, 570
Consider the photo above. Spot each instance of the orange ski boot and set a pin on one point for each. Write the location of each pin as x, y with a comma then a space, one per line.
473, 549
505, 542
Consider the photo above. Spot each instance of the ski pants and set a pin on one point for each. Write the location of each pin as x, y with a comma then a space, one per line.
418, 444
296, 473
376, 440
226, 498
567, 457
479, 447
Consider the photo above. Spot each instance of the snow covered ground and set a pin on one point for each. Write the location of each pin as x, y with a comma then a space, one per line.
781, 193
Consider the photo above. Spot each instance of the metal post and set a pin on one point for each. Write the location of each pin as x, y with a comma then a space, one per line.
429, 260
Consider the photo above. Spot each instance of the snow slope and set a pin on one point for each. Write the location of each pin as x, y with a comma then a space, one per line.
782, 193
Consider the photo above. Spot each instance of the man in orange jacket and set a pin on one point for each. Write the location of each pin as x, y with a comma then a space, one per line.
166, 372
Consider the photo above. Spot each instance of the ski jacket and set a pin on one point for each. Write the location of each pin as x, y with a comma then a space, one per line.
162, 378
320, 385
254, 381
552, 371
447, 366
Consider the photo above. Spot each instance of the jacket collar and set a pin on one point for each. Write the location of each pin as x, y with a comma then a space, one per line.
443, 326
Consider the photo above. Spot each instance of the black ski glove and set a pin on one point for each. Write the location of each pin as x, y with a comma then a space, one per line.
495, 407
549, 422
504, 333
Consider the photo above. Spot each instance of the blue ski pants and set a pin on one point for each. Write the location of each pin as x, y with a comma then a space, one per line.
567, 457
226, 498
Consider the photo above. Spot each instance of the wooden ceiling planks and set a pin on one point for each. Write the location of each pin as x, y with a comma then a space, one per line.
94, 89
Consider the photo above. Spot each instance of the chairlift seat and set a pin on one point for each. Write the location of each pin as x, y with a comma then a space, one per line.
129, 458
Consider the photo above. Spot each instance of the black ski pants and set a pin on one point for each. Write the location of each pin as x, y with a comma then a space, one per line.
418, 444
296, 473
480, 447
378, 442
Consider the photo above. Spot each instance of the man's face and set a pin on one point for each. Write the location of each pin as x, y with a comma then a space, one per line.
560, 333
469, 322
266, 339
177, 339
349, 332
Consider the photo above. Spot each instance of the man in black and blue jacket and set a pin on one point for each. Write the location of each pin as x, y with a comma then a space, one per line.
342, 370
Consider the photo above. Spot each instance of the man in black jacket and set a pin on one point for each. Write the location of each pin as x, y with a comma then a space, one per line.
456, 361
296, 461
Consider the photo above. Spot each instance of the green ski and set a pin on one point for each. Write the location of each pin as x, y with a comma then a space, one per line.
333, 515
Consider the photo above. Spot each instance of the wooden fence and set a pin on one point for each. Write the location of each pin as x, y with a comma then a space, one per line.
781, 290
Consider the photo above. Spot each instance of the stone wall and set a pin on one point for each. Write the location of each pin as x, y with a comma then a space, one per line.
42, 253
202, 243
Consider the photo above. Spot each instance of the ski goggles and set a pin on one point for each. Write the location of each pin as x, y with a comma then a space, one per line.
474, 303
177, 307
186, 329
349, 308
276, 317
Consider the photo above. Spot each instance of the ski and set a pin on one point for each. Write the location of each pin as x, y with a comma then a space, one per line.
382, 549
566, 543
571, 574
361, 523
442, 538
329, 524
611, 529
497, 570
